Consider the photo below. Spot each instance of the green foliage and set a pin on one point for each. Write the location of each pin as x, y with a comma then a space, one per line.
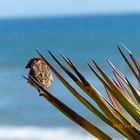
124, 97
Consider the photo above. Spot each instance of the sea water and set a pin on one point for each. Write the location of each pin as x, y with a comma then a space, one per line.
24, 114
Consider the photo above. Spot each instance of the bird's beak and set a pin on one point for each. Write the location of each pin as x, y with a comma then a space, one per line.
27, 66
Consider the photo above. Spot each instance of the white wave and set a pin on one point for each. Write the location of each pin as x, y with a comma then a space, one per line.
38, 133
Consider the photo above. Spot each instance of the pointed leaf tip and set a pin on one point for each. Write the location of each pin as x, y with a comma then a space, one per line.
24, 77
126, 48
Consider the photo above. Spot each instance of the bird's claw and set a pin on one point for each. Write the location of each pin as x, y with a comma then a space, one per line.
41, 94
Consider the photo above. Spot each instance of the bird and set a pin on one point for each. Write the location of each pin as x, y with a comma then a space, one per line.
40, 71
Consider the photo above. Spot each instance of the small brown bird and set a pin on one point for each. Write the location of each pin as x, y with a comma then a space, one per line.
40, 71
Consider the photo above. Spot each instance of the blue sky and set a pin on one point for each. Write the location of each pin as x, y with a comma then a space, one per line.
28, 8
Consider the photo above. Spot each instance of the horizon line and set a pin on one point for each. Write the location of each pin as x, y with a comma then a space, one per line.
68, 15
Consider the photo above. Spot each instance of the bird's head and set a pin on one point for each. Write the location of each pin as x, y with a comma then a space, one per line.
33, 62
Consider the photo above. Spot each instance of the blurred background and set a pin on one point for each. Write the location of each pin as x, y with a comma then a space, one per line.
81, 30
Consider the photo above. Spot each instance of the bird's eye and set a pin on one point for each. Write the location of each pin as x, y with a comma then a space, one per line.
35, 61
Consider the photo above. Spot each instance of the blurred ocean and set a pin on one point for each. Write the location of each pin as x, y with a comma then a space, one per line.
26, 116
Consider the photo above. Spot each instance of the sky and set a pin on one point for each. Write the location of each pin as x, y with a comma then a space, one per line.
30, 8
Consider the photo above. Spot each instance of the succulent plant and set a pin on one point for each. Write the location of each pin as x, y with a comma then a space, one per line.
124, 97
